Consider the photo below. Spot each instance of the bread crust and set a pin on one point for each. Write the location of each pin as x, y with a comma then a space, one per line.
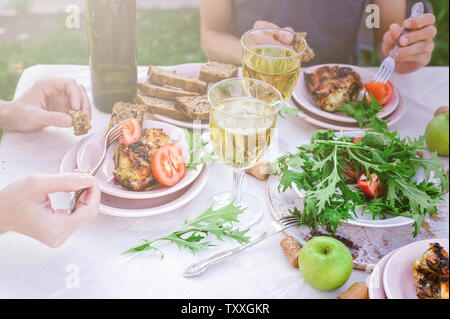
164, 77
190, 107
163, 92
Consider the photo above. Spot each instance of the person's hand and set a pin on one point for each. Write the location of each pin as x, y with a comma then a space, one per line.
46, 103
285, 38
416, 47
25, 206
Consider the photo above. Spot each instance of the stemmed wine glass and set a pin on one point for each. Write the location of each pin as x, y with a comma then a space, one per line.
267, 57
242, 122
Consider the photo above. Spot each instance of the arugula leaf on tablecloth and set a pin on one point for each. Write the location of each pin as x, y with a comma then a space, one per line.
319, 170
194, 234
196, 152
365, 113
287, 110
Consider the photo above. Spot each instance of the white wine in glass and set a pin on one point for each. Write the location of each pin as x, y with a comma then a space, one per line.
272, 61
243, 118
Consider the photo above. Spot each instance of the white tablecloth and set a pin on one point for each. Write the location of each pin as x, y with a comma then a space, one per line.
31, 270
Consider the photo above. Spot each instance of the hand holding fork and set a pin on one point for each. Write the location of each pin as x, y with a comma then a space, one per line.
111, 136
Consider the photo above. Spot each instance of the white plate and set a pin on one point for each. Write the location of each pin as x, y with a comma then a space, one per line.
398, 280
92, 148
190, 69
376, 289
122, 207
339, 126
304, 98
365, 219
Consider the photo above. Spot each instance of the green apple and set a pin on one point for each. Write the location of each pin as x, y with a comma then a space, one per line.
325, 262
437, 134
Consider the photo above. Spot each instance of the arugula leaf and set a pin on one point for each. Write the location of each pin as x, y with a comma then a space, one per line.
196, 150
365, 113
287, 110
194, 235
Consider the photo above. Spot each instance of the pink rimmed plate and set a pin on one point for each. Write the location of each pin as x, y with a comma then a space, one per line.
376, 289
91, 149
398, 278
304, 98
122, 207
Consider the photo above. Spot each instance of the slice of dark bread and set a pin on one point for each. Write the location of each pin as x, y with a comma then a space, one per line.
163, 92
123, 111
80, 121
160, 106
213, 71
194, 107
160, 76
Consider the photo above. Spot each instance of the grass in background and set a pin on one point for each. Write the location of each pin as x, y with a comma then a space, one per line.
165, 37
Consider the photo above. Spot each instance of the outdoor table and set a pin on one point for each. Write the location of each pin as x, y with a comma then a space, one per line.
29, 269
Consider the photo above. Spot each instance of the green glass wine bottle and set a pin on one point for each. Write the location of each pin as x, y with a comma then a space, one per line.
113, 51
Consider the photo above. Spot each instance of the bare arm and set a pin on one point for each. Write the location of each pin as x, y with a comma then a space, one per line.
217, 41
391, 12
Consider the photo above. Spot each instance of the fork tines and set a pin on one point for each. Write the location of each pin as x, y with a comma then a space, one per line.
290, 220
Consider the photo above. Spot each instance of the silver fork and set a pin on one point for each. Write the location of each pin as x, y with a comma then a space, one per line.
387, 67
273, 228
111, 136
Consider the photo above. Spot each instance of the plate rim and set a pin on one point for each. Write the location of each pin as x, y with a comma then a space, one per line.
331, 115
378, 273
396, 254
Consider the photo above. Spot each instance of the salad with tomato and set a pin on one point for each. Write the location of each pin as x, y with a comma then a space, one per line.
377, 172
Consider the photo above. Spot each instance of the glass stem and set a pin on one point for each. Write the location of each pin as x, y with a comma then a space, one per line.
238, 177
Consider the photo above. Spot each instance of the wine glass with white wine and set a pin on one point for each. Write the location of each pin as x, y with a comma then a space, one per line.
242, 122
269, 59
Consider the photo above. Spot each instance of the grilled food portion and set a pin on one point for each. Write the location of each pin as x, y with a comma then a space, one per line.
133, 163
331, 86
430, 273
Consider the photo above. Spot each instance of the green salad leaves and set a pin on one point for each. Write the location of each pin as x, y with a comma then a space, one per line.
365, 113
194, 234
320, 169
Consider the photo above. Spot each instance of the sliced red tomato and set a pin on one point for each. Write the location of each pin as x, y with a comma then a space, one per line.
351, 172
356, 140
382, 92
131, 132
168, 165
369, 185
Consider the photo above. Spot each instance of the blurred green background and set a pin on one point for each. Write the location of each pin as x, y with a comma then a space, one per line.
166, 37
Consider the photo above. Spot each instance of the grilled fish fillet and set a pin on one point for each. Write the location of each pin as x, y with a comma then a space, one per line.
430, 272
331, 86
133, 163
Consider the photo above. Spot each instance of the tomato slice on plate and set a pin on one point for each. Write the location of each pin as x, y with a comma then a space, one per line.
131, 132
168, 165
382, 92
369, 185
